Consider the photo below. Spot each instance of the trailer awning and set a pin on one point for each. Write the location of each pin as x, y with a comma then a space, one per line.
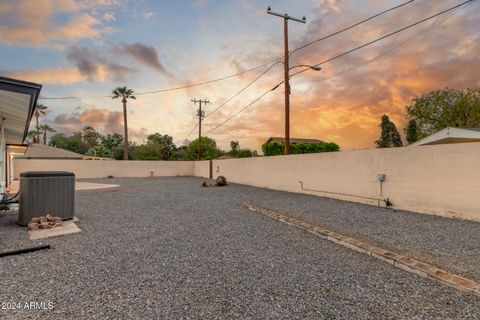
17, 105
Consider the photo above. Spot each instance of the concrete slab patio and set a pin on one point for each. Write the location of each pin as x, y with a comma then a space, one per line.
168, 248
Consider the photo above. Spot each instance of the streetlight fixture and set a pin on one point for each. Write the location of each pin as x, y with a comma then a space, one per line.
314, 68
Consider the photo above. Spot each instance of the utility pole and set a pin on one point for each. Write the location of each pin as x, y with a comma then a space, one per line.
201, 115
286, 17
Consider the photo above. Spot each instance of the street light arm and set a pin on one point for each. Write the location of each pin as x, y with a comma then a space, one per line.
314, 67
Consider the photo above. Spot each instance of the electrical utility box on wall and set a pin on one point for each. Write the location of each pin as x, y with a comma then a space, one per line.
46, 192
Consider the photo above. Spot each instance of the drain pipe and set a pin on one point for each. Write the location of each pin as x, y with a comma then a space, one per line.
387, 201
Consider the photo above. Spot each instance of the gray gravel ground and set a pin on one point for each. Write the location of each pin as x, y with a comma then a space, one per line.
165, 248
451, 244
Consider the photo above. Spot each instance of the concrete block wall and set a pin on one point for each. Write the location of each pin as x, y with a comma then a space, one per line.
440, 179
105, 168
202, 169
437, 179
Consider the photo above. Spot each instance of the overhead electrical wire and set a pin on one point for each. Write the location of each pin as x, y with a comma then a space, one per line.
277, 60
345, 53
243, 89
168, 89
239, 73
235, 95
350, 27
401, 43
244, 108
210, 81
384, 37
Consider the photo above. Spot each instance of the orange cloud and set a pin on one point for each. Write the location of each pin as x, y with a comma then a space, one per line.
32, 22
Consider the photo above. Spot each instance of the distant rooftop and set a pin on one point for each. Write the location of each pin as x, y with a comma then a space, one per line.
41, 151
294, 140
36, 150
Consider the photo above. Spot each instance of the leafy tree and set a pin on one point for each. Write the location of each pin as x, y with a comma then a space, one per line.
40, 109
243, 153
237, 152
411, 131
274, 148
180, 153
45, 128
100, 151
389, 136
445, 108
73, 143
234, 145
157, 147
119, 152
90, 136
209, 149
125, 94
111, 141
31, 136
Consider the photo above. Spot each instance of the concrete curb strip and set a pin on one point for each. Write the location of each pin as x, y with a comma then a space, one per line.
405, 263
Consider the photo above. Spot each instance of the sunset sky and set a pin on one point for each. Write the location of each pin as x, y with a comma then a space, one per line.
85, 48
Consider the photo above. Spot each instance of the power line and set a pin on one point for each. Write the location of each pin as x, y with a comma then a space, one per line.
236, 74
244, 108
419, 34
352, 26
232, 75
232, 97
168, 89
385, 36
191, 131
209, 81
243, 89
340, 55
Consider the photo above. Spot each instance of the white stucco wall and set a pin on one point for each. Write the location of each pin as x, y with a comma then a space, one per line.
202, 169
102, 169
439, 179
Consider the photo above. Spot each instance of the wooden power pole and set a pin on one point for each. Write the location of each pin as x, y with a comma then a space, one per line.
286, 17
201, 115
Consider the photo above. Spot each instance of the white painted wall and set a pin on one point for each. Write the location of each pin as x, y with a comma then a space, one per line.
202, 169
439, 179
102, 169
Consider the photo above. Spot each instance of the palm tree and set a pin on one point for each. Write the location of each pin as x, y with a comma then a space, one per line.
31, 136
45, 128
125, 94
39, 110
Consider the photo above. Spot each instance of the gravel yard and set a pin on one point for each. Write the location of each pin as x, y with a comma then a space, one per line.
166, 248
451, 244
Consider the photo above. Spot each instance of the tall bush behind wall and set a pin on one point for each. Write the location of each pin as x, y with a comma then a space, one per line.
274, 148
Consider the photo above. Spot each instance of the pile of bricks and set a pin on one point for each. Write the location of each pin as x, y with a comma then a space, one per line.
45, 222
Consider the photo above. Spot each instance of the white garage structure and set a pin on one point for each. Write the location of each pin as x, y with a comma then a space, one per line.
17, 105
450, 135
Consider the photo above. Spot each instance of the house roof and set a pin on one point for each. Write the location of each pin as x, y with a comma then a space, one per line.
17, 105
294, 140
42, 151
450, 135
225, 157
